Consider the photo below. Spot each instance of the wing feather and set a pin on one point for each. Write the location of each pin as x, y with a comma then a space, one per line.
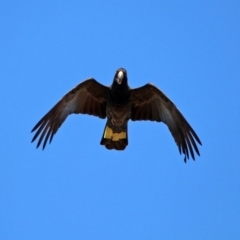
88, 97
149, 103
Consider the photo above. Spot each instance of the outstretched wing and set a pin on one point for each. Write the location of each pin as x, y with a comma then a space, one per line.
149, 103
89, 97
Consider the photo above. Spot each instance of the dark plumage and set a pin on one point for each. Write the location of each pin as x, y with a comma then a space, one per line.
119, 104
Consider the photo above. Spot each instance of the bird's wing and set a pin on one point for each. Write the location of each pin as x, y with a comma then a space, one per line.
88, 97
149, 103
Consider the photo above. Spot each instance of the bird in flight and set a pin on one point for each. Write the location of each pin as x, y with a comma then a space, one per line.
119, 104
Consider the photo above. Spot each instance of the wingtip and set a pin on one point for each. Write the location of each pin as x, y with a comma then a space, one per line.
43, 147
34, 128
187, 158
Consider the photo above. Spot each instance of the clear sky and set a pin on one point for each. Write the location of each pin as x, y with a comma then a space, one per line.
75, 188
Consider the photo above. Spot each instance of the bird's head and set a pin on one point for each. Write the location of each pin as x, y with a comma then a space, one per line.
121, 76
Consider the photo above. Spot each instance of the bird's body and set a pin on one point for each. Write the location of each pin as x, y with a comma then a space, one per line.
118, 111
119, 104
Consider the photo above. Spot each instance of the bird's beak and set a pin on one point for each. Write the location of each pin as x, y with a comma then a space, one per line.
119, 77
119, 81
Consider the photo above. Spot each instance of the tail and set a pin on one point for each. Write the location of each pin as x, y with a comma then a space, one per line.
114, 140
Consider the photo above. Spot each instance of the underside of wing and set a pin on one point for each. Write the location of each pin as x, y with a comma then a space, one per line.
149, 103
89, 97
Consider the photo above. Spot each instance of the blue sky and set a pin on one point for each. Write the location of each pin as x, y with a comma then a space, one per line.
75, 188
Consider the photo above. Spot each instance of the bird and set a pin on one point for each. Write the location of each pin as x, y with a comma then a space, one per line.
119, 104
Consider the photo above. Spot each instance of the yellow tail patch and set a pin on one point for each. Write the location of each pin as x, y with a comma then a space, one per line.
109, 134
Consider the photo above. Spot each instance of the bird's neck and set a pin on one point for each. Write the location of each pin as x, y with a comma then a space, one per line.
119, 93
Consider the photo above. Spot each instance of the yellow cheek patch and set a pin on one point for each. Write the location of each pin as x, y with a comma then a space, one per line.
108, 134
